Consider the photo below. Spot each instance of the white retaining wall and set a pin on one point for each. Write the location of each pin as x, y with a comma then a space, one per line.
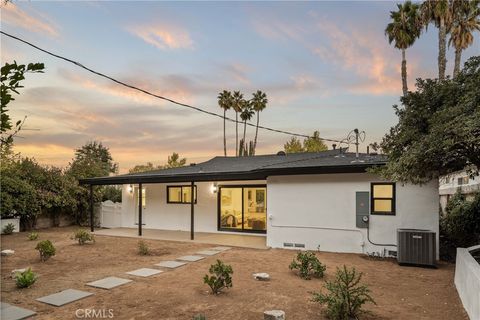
467, 281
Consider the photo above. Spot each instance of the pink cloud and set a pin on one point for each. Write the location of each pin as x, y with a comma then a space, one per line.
163, 36
14, 16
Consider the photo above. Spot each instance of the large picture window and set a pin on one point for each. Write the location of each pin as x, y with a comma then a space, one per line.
383, 198
181, 194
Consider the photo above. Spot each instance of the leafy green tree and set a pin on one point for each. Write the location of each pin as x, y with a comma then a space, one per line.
259, 103
11, 77
438, 130
174, 161
294, 145
225, 101
403, 31
112, 193
314, 143
144, 168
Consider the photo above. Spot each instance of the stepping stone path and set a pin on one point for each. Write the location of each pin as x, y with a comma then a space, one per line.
144, 272
274, 315
208, 252
262, 276
171, 264
108, 283
221, 248
63, 297
190, 258
9, 312
7, 252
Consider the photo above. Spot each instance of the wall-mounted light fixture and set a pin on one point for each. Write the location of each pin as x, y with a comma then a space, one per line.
130, 189
214, 188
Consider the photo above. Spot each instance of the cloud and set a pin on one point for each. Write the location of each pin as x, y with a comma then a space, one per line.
40, 23
163, 36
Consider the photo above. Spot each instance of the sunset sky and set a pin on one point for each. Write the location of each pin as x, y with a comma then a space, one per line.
324, 65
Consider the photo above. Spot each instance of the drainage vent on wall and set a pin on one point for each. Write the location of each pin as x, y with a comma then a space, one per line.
287, 244
299, 245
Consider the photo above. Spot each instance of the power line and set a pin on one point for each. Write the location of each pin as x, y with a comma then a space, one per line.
156, 95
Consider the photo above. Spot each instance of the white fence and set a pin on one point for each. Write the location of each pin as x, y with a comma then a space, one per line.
467, 281
111, 214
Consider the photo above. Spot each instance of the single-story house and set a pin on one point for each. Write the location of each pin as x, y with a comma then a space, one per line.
325, 200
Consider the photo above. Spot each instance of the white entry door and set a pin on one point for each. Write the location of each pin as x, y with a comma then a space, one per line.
144, 207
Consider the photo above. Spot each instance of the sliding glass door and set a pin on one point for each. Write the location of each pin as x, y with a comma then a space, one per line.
243, 208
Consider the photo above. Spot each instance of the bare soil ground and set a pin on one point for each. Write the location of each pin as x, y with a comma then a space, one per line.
400, 292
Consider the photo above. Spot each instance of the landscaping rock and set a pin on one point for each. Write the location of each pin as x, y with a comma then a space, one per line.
262, 276
7, 252
274, 315
14, 272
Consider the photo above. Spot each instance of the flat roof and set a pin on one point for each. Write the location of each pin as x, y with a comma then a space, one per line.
252, 168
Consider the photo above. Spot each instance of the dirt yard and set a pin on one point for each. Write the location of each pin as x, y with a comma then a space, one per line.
400, 292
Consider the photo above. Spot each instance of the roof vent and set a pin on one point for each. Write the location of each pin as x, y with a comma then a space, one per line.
281, 153
193, 164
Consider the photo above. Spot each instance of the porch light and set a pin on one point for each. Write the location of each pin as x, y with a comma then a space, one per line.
130, 189
214, 188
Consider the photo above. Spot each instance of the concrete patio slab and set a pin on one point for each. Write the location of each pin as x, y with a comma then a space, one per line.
208, 252
171, 264
144, 272
9, 312
63, 297
190, 258
221, 248
109, 283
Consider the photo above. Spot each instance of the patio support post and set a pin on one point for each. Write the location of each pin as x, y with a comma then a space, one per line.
192, 210
140, 209
91, 209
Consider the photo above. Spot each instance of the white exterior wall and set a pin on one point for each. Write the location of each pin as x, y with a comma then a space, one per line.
159, 214
319, 210
467, 281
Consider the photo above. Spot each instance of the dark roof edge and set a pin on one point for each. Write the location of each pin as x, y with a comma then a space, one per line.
258, 174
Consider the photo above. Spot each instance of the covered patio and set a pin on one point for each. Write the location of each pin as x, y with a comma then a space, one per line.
224, 239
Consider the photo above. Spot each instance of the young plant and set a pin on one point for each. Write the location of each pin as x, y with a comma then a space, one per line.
221, 277
199, 317
308, 265
25, 279
143, 248
83, 236
8, 228
32, 236
46, 249
345, 296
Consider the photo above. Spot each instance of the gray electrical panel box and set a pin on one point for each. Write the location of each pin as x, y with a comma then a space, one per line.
362, 208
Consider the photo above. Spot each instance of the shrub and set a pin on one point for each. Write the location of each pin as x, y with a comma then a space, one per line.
82, 236
221, 277
32, 236
8, 228
143, 248
199, 317
308, 264
46, 249
345, 296
25, 279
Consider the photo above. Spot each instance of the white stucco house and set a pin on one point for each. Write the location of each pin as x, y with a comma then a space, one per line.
324, 200
458, 181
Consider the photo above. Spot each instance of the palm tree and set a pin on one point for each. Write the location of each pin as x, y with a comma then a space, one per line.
225, 102
438, 12
246, 114
258, 102
404, 30
237, 101
465, 20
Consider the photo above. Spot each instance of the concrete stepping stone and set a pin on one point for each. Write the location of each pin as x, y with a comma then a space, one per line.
208, 252
7, 252
221, 248
9, 312
63, 297
190, 258
170, 264
144, 272
108, 283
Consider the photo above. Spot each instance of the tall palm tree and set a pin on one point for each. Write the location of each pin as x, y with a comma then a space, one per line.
404, 30
465, 20
246, 115
237, 103
258, 102
225, 102
438, 12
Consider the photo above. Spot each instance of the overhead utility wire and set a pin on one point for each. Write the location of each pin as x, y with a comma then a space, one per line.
156, 95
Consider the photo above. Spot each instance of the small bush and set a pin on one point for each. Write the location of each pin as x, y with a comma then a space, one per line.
32, 236
345, 296
308, 265
25, 279
46, 249
143, 248
8, 228
221, 277
83, 236
199, 317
